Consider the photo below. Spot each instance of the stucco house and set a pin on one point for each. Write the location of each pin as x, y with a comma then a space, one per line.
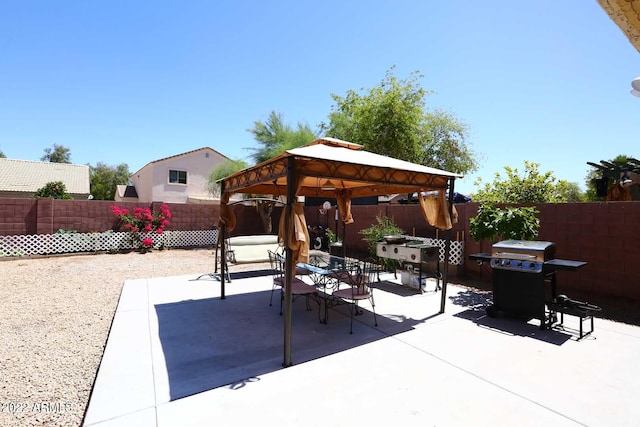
22, 178
176, 179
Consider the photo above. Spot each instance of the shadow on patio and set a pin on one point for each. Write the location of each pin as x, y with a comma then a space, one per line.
210, 343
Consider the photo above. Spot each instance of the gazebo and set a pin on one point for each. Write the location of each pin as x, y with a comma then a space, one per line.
333, 168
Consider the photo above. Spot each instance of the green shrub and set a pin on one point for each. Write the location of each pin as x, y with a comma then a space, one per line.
493, 223
55, 190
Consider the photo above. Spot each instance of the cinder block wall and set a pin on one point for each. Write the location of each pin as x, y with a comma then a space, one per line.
606, 234
18, 216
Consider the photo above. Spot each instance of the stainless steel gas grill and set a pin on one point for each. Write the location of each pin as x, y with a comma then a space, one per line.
413, 253
524, 279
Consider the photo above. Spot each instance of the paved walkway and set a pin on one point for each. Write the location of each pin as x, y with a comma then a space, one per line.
178, 355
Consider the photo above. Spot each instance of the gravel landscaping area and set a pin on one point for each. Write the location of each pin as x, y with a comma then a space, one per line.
55, 315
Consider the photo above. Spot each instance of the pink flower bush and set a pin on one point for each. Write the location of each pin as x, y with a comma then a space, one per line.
143, 221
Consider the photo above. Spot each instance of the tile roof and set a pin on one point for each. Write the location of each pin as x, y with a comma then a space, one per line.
29, 176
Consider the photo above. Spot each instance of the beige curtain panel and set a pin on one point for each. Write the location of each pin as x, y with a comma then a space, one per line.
298, 234
227, 217
435, 209
343, 198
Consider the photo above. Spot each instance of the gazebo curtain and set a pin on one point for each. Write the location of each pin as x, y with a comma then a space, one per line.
296, 229
435, 209
343, 199
227, 217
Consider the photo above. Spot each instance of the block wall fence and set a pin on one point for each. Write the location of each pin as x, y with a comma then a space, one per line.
604, 234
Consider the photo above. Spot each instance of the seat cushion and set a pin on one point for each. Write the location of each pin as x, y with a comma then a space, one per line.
352, 294
298, 287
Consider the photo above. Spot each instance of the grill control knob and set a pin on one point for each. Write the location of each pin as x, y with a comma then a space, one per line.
533, 266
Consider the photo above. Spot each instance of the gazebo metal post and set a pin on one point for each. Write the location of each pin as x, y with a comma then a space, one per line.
223, 264
223, 252
447, 248
344, 240
291, 195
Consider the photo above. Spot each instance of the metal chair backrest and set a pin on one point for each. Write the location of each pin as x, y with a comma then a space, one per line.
277, 266
362, 274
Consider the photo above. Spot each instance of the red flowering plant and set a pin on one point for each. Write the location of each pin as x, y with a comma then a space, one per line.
141, 223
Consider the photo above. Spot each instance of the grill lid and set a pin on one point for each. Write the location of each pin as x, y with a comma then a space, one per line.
530, 250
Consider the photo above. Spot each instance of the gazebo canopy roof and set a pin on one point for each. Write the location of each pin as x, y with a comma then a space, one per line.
329, 164
626, 15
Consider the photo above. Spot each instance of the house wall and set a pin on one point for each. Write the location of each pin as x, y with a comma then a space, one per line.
152, 181
143, 182
603, 234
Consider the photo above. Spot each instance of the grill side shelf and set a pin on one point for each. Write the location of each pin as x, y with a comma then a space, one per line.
480, 257
564, 264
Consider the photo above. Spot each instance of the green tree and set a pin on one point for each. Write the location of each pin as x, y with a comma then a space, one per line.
392, 120
276, 137
57, 154
530, 186
2, 156
223, 170
570, 192
104, 179
493, 223
54, 189
446, 145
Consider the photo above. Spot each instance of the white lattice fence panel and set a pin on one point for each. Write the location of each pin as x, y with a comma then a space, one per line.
191, 238
45, 244
456, 253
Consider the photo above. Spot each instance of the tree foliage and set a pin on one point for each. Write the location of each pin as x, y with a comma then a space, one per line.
392, 120
2, 156
530, 186
446, 145
223, 170
493, 223
276, 137
104, 179
386, 119
570, 192
57, 154
54, 189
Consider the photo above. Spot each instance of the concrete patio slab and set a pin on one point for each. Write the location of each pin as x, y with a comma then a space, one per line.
179, 355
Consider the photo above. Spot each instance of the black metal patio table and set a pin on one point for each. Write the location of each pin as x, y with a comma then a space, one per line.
326, 275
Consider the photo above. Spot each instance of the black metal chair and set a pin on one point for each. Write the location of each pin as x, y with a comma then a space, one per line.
298, 286
359, 280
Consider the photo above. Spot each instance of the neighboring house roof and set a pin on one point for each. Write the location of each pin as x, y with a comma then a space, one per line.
179, 155
29, 176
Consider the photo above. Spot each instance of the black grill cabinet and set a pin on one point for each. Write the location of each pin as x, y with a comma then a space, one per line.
524, 279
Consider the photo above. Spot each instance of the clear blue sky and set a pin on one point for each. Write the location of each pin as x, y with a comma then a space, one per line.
134, 81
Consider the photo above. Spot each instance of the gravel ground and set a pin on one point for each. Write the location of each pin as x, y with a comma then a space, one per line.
55, 315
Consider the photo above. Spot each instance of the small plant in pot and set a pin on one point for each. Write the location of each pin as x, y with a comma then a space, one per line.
384, 226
